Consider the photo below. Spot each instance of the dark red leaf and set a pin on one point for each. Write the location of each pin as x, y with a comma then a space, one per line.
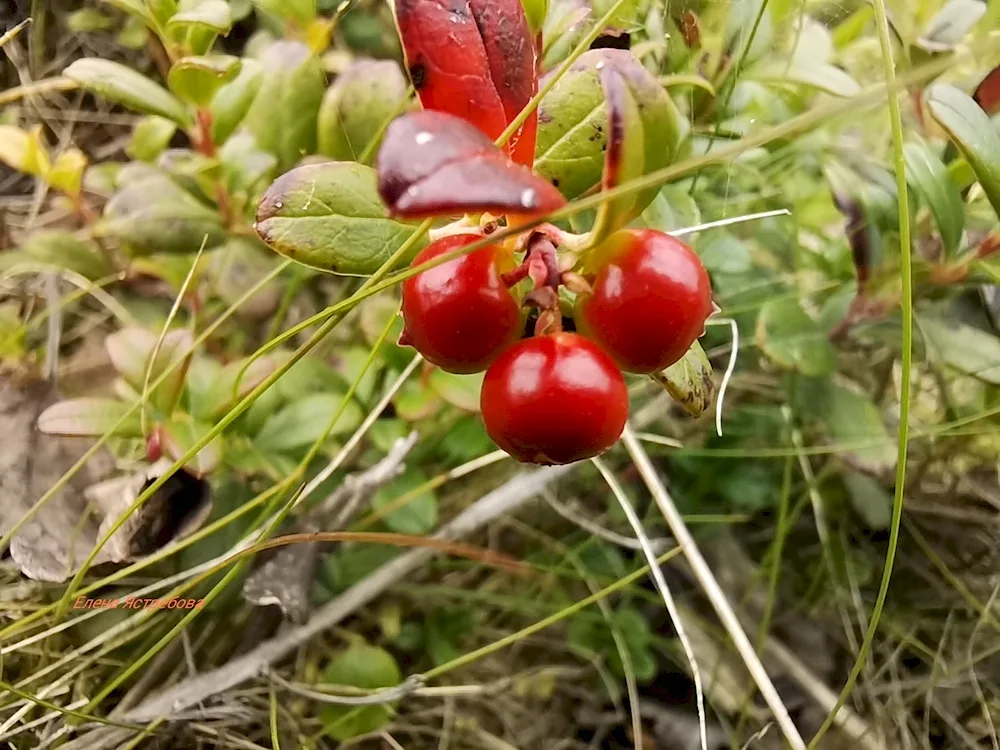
434, 164
987, 93
475, 59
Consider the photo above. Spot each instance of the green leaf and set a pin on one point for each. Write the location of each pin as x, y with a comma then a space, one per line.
626, 15
821, 76
239, 265
150, 138
361, 666
197, 79
153, 214
793, 340
973, 132
66, 172
284, 113
689, 381
869, 500
121, 84
89, 20
130, 350
88, 417
420, 513
967, 349
330, 217
724, 253
162, 10
358, 106
211, 16
672, 208
461, 391
536, 11
247, 170
416, 401
739, 24
232, 102
181, 434
63, 249
928, 175
305, 421
573, 130
852, 417
24, 150
300, 12
135, 8
951, 24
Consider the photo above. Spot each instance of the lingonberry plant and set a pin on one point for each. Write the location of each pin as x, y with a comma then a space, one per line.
220, 216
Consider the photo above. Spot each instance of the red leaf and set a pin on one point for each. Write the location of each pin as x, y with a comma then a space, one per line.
987, 93
474, 59
434, 164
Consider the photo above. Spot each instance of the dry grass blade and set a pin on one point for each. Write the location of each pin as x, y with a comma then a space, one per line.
712, 590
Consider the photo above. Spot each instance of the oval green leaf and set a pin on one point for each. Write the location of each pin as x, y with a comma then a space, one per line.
88, 417
689, 381
929, 176
305, 421
793, 340
330, 217
232, 102
418, 514
973, 132
196, 79
121, 84
361, 666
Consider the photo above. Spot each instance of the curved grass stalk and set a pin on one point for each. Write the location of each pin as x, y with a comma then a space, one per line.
906, 295
730, 369
174, 309
661, 586
93, 288
713, 592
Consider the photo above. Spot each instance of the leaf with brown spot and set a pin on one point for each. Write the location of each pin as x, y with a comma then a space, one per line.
474, 59
435, 164
689, 381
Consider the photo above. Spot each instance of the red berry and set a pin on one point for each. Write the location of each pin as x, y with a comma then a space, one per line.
460, 315
651, 299
554, 399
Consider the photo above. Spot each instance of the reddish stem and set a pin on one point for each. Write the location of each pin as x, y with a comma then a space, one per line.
203, 137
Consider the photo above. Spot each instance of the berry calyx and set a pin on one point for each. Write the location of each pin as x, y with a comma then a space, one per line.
554, 399
651, 299
460, 315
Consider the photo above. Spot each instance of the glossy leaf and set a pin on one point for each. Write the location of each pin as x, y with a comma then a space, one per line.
418, 514
535, 11
121, 84
150, 137
232, 102
88, 417
970, 350
474, 59
820, 76
284, 112
951, 24
161, 10
434, 164
305, 421
329, 216
359, 105
196, 79
154, 215
793, 340
973, 133
213, 16
929, 176
361, 666
24, 150
574, 128
689, 381
63, 249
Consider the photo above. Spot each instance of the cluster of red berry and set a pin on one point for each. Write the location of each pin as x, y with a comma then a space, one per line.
641, 296
557, 397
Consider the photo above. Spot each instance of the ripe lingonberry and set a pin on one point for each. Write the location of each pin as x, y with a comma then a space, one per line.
460, 315
650, 302
554, 399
